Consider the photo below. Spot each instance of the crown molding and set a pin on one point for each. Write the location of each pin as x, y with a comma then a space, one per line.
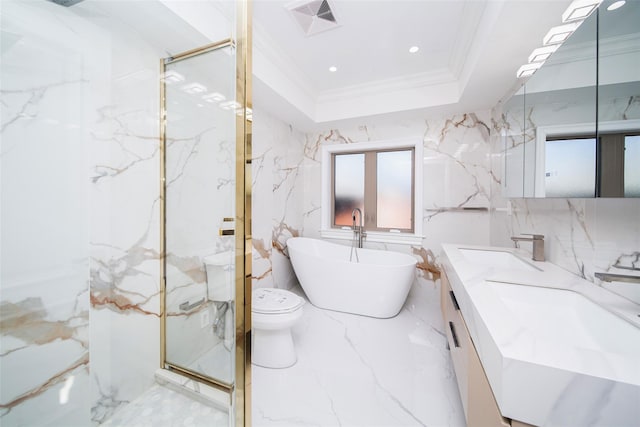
439, 87
471, 21
406, 82
277, 70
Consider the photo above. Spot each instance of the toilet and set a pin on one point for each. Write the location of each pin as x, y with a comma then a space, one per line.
273, 313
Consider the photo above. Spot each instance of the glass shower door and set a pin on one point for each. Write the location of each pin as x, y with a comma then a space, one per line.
200, 191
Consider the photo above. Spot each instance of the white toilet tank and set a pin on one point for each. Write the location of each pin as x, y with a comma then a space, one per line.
220, 276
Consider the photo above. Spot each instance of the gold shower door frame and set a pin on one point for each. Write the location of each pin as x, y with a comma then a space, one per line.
240, 391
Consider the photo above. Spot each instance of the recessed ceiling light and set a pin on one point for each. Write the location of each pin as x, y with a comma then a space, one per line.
580, 9
560, 33
414, 49
616, 5
333, 69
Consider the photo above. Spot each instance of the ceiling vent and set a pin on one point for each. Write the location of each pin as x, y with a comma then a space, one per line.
313, 16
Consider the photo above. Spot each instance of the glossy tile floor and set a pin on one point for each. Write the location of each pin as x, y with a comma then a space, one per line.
161, 406
360, 371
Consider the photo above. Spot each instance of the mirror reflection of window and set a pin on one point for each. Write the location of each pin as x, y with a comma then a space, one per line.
570, 167
631, 166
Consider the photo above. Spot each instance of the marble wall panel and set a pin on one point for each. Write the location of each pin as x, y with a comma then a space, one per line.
44, 268
80, 213
457, 173
125, 228
287, 185
277, 198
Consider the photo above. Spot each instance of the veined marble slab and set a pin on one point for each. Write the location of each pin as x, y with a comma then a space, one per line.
362, 371
538, 378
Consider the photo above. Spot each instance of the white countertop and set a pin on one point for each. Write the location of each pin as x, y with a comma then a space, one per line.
537, 379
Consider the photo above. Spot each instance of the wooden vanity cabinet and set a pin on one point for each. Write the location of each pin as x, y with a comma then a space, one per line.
480, 407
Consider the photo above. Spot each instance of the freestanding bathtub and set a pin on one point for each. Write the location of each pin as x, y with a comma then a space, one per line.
376, 286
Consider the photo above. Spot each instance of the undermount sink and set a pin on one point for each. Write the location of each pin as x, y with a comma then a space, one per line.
567, 318
496, 259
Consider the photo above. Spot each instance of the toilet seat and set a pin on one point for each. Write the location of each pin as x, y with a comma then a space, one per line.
275, 301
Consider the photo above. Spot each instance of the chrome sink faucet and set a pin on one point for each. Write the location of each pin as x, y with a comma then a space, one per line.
538, 244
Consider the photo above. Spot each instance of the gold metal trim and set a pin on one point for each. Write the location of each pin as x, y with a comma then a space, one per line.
199, 51
220, 385
163, 207
242, 392
224, 232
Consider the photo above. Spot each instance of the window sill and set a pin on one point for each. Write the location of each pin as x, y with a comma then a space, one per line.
374, 237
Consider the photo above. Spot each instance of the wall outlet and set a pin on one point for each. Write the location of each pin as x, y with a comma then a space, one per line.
204, 319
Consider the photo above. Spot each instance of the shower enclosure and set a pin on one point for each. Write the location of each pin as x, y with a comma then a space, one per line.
103, 120
200, 217
206, 214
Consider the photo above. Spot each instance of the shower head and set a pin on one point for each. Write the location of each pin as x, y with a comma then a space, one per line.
65, 3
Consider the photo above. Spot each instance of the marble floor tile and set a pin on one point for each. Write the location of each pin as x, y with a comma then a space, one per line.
361, 371
161, 406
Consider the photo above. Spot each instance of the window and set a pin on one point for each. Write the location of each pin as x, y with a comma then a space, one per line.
381, 179
379, 183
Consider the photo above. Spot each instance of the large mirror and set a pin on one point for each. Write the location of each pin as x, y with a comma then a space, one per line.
573, 130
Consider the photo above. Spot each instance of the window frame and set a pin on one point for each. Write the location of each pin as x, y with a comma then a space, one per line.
371, 189
374, 234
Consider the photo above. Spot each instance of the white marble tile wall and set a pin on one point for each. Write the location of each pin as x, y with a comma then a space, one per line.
125, 228
287, 182
277, 198
581, 235
44, 291
80, 215
457, 173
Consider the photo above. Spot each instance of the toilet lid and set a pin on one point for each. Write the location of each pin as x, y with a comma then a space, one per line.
270, 300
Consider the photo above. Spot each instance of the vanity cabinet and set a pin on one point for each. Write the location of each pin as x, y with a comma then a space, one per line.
480, 407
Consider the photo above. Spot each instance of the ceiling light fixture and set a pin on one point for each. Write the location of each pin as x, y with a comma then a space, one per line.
541, 54
528, 69
616, 5
560, 33
333, 69
414, 49
580, 9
